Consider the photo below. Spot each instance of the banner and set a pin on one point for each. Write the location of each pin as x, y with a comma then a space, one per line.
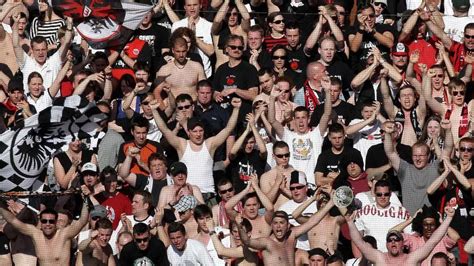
103, 23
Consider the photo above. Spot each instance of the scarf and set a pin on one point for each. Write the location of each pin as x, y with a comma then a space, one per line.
463, 122
400, 117
222, 216
310, 98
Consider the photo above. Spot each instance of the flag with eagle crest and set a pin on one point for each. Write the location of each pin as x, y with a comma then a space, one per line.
103, 23
26, 151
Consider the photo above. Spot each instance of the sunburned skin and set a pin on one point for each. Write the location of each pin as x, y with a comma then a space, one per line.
182, 78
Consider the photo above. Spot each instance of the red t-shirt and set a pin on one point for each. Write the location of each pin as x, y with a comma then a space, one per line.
456, 55
427, 53
115, 206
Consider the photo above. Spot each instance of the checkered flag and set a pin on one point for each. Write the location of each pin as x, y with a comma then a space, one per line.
26, 151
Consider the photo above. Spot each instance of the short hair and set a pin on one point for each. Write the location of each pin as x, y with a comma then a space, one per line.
104, 223
106, 172
201, 210
223, 181
285, 79
280, 144
257, 28
100, 55
176, 227
371, 240
157, 156
440, 255
34, 74
184, 31
336, 257
426, 212
128, 79
140, 228
335, 128
184, 97
234, 37
204, 83
265, 70
469, 26
467, 139
38, 40
139, 65
300, 109
122, 234
456, 82
327, 38
22, 15
147, 199
335, 81
421, 144
179, 41
278, 47
67, 213
140, 121
49, 211
249, 196
364, 7
383, 183
292, 25
367, 103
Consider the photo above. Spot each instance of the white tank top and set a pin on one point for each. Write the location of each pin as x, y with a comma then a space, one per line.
200, 165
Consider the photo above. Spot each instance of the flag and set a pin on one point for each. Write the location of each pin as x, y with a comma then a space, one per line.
103, 23
26, 151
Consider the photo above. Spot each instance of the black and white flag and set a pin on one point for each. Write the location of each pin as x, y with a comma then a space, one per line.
26, 151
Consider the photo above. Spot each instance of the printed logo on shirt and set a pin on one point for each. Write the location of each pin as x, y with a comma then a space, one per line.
393, 212
230, 80
302, 149
110, 213
143, 261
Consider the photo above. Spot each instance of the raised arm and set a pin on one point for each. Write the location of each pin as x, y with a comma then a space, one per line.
128, 99
26, 229
448, 139
66, 41
261, 243
124, 168
298, 211
351, 129
364, 75
53, 90
367, 250
19, 53
387, 98
244, 13
262, 149
324, 121
72, 230
314, 36
460, 178
221, 137
279, 129
229, 205
388, 145
222, 251
174, 140
434, 105
421, 253
469, 246
99, 77
170, 12
314, 220
219, 18
267, 204
239, 142
439, 180
409, 25
469, 59
437, 31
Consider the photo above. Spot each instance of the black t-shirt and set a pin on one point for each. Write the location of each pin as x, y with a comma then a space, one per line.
4, 244
155, 254
157, 38
241, 163
264, 58
142, 182
342, 71
297, 61
369, 41
328, 161
343, 110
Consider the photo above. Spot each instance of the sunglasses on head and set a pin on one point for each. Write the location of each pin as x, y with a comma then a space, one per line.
382, 194
455, 93
286, 155
276, 57
142, 240
278, 21
464, 149
234, 47
184, 107
226, 190
393, 239
48, 221
297, 188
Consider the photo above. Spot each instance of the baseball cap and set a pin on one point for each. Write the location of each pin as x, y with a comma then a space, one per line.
194, 122
89, 167
400, 49
318, 251
185, 203
461, 4
381, 1
178, 168
394, 233
99, 211
281, 214
298, 177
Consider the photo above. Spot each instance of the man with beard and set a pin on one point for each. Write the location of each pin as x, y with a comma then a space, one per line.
96, 250
279, 247
394, 244
181, 74
145, 249
52, 245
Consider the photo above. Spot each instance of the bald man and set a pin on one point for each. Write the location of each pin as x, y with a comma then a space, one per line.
311, 94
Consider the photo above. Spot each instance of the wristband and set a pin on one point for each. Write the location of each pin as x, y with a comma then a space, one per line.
361, 31
213, 232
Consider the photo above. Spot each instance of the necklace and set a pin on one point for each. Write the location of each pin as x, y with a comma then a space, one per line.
179, 66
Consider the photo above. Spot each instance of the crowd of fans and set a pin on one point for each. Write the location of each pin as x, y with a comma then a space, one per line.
231, 123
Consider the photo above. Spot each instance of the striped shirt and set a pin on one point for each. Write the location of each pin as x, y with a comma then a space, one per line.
270, 42
47, 29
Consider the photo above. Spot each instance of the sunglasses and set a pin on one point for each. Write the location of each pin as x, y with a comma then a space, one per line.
184, 107
232, 14
235, 47
297, 188
464, 149
226, 190
439, 76
145, 103
371, 15
455, 93
393, 239
276, 57
48, 221
380, 4
468, 36
95, 218
286, 155
342, 13
278, 21
142, 240
382, 194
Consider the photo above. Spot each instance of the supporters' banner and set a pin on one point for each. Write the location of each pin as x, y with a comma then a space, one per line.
26, 151
103, 23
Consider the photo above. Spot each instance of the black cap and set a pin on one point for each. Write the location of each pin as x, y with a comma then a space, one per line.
194, 122
178, 168
318, 251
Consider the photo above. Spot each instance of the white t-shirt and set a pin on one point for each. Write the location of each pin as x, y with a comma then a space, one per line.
454, 26
153, 132
195, 253
225, 242
302, 242
203, 31
377, 222
304, 150
367, 198
44, 101
366, 137
49, 70
115, 233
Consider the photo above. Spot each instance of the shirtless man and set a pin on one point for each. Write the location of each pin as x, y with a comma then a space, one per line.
279, 248
250, 197
395, 255
96, 250
457, 112
273, 182
50, 242
171, 194
411, 116
7, 52
181, 73
326, 233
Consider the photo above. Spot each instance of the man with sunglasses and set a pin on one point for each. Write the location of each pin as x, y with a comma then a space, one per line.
376, 219
145, 249
52, 245
394, 244
226, 191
